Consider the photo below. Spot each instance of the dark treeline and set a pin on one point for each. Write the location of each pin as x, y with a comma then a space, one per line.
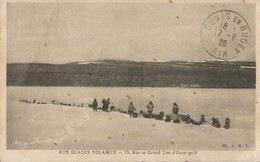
113, 73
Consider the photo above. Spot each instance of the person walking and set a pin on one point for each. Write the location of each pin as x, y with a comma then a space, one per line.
131, 109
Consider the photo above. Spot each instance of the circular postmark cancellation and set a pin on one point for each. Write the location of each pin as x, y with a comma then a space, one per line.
224, 34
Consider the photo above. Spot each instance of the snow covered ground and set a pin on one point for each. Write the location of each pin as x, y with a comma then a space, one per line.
48, 126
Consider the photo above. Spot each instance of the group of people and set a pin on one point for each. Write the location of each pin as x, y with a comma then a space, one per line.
105, 103
175, 117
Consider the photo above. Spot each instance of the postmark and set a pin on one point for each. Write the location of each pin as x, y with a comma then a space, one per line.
225, 34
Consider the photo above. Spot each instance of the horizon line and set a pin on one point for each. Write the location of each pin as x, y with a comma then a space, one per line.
104, 60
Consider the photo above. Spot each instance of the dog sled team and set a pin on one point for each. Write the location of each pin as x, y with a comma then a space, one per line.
175, 117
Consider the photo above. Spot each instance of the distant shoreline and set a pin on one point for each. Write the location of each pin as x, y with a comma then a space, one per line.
123, 73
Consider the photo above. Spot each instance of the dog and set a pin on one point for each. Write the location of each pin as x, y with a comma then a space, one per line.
186, 119
135, 115
26, 101
168, 118
159, 116
227, 123
176, 119
202, 119
215, 122
112, 108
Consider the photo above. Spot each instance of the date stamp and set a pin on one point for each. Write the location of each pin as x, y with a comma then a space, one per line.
224, 34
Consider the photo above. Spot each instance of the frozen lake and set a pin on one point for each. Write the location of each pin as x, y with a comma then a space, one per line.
32, 126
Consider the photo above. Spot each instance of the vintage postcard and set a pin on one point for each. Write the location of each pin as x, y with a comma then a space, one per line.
129, 80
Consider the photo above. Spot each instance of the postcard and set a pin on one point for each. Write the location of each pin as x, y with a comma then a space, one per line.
129, 80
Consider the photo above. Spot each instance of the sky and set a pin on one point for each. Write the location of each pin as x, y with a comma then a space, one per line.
71, 32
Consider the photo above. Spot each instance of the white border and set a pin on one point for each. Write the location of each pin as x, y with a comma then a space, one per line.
52, 155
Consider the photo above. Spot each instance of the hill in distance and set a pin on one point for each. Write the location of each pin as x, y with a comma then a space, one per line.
125, 73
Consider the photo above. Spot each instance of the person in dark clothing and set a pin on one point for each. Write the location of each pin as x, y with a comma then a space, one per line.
104, 105
95, 105
131, 109
227, 123
107, 104
175, 108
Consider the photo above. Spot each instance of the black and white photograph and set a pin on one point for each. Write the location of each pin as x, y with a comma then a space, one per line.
131, 76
